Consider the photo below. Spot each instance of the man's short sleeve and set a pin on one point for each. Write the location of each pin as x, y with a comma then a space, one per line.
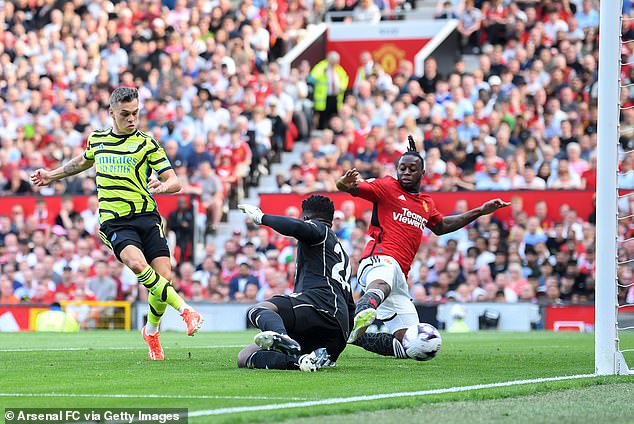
89, 153
157, 159
372, 190
434, 216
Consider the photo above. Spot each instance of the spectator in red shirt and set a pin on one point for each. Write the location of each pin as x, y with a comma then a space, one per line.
184, 283
6, 292
66, 286
42, 295
240, 153
589, 177
228, 267
388, 155
495, 20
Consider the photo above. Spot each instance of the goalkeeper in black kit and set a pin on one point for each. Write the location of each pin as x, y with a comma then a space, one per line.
307, 329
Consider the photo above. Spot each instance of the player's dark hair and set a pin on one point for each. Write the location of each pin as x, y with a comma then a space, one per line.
319, 207
123, 95
412, 151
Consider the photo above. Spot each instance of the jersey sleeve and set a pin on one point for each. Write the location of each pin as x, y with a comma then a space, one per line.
434, 215
157, 159
305, 231
371, 191
89, 153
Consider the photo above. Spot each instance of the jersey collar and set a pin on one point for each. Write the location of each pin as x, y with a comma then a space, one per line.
122, 136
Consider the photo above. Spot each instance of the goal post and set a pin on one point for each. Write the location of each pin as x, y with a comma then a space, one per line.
608, 358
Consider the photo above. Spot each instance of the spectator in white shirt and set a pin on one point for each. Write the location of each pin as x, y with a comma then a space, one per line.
554, 26
532, 181
91, 215
69, 136
469, 23
260, 42
116, 59
587, 17
366, 11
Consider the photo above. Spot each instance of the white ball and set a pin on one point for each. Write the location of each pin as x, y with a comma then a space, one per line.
422, 341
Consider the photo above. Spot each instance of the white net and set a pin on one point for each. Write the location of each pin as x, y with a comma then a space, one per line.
625, 184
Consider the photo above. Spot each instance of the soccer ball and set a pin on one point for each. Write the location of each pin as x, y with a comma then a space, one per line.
422, 341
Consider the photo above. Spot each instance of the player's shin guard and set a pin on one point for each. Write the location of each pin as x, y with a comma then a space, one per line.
156, 309
371, 299
160, 287
382, 343
266, 320
272, 360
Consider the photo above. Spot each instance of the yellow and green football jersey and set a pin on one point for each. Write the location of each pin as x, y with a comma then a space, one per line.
124, 163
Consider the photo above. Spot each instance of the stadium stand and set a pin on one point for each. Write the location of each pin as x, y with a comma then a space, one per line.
518, 111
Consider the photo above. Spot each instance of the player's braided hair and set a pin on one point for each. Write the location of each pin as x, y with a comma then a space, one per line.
123, 95
319, 207
412, 151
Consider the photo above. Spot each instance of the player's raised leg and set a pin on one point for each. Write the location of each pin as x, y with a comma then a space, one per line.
376, 274
160, 287
398, 313
193, 319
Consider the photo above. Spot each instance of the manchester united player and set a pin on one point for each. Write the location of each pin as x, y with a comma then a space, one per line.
400, 214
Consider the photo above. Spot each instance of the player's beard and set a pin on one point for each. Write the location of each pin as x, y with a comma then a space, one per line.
412, 186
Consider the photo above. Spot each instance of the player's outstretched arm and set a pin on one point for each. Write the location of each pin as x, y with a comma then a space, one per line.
287, 226
452, 223
167, 183
348, 181
43, 177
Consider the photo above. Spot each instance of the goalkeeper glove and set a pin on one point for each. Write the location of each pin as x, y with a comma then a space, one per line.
252, 212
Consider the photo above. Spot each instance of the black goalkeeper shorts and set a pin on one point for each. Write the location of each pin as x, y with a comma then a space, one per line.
309, 327
144, 231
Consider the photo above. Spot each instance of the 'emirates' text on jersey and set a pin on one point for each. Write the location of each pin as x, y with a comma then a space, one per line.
398, 220
124, 163
323, 273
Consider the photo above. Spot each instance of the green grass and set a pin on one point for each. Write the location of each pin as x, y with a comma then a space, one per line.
206, 366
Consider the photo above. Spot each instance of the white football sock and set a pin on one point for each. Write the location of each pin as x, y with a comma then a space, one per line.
151, 329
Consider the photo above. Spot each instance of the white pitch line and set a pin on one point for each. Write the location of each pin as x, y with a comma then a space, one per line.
333, 401
146, 396
64, 349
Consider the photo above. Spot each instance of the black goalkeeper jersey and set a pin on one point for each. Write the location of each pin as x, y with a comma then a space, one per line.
323, 267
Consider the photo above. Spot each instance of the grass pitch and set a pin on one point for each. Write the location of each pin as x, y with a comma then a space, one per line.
110, 370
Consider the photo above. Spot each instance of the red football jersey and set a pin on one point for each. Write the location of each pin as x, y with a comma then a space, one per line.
398, 220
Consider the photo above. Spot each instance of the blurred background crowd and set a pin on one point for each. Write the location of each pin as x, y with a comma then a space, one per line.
518, 111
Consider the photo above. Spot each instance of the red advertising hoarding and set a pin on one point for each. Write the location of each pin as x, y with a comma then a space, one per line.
20, 317
166, 204
575, 317
581, 201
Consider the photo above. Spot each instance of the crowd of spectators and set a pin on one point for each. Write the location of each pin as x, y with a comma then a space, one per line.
517, 111
523, 117
214, 95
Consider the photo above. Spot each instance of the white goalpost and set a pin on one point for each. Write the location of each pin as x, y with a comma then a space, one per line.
609, 358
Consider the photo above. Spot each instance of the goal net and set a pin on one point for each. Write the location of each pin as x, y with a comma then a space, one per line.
114, 315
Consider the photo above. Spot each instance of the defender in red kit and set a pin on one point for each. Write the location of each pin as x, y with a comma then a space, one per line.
400, 215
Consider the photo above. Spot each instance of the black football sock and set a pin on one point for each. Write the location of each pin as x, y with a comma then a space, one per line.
272, 360
371, 299
266, 320
382, 343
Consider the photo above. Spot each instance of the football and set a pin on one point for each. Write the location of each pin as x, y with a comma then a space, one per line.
422, 342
